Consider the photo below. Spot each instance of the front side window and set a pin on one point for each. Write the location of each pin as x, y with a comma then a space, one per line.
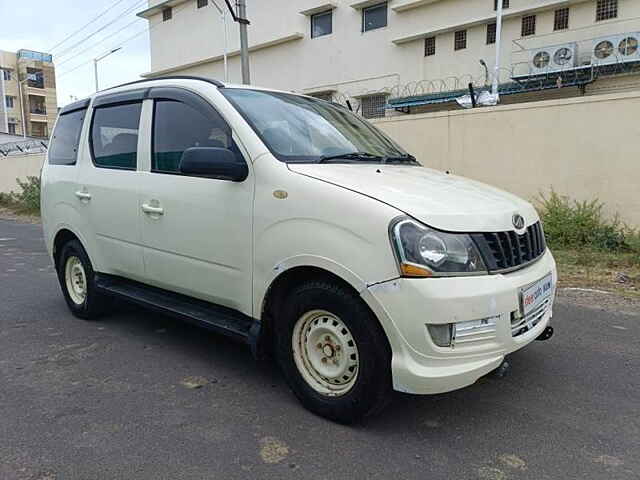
303, 129
178, 126
374, 17
321, 24
63, 147
114, 136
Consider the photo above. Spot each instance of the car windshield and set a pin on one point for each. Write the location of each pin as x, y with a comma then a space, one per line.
304, 129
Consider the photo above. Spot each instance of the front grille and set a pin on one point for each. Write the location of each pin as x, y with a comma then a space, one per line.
520, 325
508, 251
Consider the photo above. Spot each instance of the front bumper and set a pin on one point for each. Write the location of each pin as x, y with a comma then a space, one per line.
405, 305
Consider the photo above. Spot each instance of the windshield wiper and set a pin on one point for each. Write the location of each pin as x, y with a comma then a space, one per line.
408, 158
350, 156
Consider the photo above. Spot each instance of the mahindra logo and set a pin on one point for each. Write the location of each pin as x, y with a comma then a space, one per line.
518, 221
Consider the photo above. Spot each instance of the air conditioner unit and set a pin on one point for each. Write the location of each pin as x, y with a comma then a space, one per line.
554, 58
616, 49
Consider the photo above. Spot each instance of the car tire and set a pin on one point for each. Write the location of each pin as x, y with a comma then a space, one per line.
333, 352
77, 280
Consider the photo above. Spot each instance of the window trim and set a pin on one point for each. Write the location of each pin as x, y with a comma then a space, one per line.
195, 101
321, 14
93, 119
371, 7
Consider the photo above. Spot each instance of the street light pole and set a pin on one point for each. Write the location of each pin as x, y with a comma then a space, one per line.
95, 64
496, 74
223, 15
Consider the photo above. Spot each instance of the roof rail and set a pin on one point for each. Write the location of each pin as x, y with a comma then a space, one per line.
170, 77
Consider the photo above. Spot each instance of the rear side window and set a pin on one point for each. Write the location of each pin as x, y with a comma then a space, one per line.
178, 126
114, 136
63, 149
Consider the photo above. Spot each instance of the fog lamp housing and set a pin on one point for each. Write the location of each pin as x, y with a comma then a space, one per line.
448, 334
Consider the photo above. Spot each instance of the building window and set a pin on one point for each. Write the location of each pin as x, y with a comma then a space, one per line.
12, 128
460, 40
505, 4
167, 13
35, 78
203, 3
528, 25
429, 46
561, 19
373, 106
374, 17
6, 74
606, 9
491, 33
39, 129
9, 101
321, 24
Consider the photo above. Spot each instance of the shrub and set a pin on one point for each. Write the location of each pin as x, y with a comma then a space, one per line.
27, 200
570, 224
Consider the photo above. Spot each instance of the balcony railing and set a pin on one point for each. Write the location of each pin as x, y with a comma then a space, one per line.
38, 110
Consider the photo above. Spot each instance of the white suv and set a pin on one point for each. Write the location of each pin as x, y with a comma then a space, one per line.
292, 224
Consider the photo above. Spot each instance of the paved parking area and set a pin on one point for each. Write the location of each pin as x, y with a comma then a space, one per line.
111, 400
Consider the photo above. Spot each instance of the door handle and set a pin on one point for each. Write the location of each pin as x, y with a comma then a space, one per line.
146, 208
82, 195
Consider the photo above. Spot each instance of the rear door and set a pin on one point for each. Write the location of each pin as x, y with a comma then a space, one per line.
108, 184
196, 231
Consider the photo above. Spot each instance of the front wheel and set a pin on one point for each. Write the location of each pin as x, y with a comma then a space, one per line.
333, 352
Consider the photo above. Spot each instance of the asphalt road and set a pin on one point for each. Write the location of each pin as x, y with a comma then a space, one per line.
107, 400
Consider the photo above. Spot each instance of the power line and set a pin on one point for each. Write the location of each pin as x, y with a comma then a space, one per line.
146, 30
86, 25
130, 9
97, 43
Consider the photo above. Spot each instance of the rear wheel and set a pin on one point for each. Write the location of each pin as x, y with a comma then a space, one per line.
333, 352
77, 280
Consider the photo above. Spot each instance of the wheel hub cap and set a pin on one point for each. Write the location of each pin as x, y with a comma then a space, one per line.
76, 280
325, 352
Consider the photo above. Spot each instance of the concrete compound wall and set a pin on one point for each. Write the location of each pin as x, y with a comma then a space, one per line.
18, 166
587, 147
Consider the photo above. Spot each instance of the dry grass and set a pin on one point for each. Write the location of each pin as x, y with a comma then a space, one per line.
612, 272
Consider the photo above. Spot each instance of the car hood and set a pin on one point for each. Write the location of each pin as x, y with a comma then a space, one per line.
442, 201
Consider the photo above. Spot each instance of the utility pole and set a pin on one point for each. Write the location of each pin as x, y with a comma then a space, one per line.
244, 41
223, 16
496, 74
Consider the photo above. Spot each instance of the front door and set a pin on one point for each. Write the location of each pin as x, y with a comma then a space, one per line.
196, 231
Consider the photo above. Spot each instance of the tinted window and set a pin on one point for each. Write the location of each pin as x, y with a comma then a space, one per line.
374, 17
321, 24
178, 126
114, 136
63, 148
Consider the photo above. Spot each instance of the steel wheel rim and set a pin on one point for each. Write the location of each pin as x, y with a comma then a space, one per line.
76, 280
325, 353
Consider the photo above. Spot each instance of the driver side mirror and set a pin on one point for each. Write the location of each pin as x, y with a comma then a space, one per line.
213, 162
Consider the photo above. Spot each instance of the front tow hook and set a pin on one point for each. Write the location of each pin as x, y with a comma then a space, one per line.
546, 334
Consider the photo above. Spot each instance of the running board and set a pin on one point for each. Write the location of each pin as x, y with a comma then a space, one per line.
213, 317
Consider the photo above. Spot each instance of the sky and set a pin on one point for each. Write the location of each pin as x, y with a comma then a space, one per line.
42, 25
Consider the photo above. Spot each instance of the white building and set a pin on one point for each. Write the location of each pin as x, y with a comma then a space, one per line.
406, 55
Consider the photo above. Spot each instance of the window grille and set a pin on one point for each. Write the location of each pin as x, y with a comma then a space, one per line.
491, 33
561, 19
373, 106
460, 40
429, 46
606, 9
528, 25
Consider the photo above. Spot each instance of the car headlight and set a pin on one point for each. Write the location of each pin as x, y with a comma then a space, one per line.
424, 252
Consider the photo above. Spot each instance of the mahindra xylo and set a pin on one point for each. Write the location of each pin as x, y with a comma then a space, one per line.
296, 226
